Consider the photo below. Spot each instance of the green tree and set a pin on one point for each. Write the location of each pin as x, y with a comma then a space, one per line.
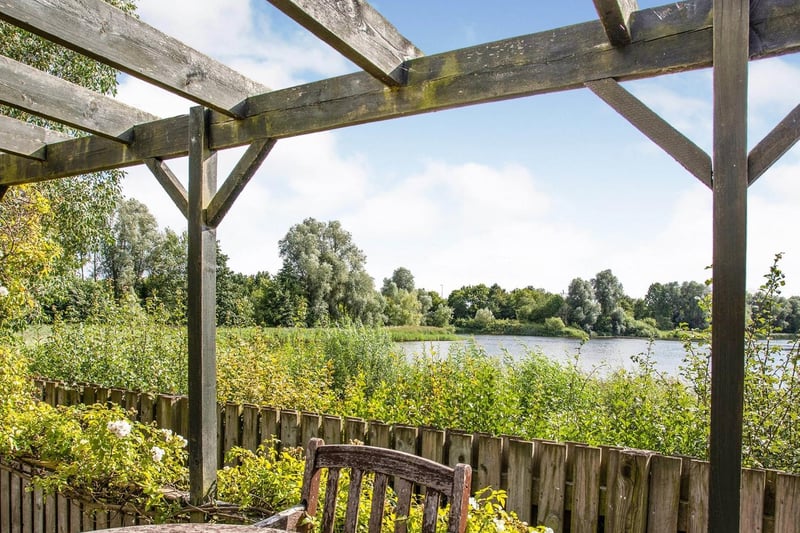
582, 308
128, 257
609, 294
402, 278
79, 206
326, 269
466, 301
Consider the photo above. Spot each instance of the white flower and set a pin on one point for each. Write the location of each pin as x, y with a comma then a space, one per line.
3, 291
120, 428
157, 453
548, 530
473, 503
167, 433
499, 524
184, 442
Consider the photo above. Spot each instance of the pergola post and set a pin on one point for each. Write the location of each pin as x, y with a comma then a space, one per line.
201, 312
731, 36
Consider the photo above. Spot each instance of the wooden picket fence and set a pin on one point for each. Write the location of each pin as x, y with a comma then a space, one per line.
569, 487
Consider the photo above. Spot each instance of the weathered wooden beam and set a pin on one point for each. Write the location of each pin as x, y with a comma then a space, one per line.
240, 176
107, 34
201, 313
171, 184
731, 34
48, 96
357, 31
672, 141
615, 16
776, 143
26, 140
671, 38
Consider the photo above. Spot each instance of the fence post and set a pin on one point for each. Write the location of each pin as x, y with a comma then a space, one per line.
355, 429
432, 444
231, 432
269, 422
309, 427
290, 428
552, 461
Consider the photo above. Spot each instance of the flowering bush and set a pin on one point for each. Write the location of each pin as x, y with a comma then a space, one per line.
94, 452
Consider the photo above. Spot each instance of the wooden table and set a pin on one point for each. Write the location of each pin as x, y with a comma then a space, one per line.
191, 528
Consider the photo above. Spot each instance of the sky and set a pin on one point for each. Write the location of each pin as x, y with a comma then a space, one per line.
527, 192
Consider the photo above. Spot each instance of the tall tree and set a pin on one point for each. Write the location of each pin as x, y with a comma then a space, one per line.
582, 306
321, 261
79, 206
609, 294
466, 301
128, 257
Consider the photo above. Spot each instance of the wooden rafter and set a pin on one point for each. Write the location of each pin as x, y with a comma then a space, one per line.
615, 16
26, 140
668, 39
777, 142
358, 32
48, 96
111, 36
672, 141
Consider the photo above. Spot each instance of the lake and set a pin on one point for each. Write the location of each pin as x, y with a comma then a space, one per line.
603, 355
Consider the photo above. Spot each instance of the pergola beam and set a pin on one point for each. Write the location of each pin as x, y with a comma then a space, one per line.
239, 177
658, 130
615, 16
26, 140
170, 183
776, 143
672, 38
38, 93
357, 31
111, 36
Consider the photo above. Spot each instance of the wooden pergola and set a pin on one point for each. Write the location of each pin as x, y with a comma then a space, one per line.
398, 80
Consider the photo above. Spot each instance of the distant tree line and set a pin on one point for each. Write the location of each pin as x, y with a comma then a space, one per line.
323, 281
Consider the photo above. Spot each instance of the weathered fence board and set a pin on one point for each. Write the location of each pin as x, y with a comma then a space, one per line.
787, 503
752, 500
585, 504
626, 503
490, 460
520, 478
552, 463
665, 494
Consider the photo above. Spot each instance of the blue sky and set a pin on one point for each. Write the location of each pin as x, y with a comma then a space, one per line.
533, 191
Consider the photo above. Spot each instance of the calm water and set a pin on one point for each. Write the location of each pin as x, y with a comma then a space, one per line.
603, 355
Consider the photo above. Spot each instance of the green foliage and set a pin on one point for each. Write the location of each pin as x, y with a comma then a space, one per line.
265, 482
323, 266
421, 333
114, 348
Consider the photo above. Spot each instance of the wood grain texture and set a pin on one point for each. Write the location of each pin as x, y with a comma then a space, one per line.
100, 31
50, 97
752, 500
627, 488
357, 31
170, 183
586, 489
672, 38
201, 313
731, 41
236, 181
787, 503
552, 482
27, 140
664, 494
520, 478
615, 16
658, 130
772, 147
